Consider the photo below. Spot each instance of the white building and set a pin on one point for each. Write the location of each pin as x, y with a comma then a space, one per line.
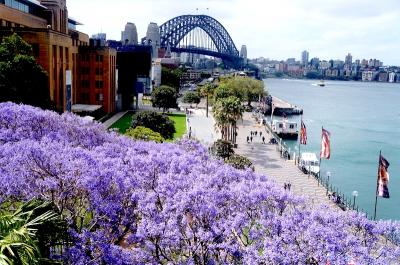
156, 73
392, 77
153, 38
368, 76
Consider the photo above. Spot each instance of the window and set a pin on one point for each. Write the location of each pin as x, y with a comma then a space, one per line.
281, 125
99, 58
17, 5
85, 83
291, 126
99, 97
85, 70
99, 84
99, 71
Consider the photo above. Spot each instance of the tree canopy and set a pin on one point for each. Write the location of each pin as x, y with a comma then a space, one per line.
191, 97
164, 97
171, 77
135, 202
157, 122
22, 80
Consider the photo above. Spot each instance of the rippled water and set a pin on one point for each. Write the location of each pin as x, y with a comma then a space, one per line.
363, 118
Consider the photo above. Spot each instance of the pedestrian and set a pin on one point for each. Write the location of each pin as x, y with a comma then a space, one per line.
260, 133
255, 133
248, 138
289, 186
251, 133
251, 138
284, 186
263, 139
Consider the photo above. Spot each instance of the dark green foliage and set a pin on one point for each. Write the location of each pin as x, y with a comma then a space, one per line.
164, 97
145, 134
240, 162
22, 80
155, 121
171, 77
191, 97
313, 75
223, 149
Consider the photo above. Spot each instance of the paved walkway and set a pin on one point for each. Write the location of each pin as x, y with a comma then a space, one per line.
113, 119
268, 162
202, 127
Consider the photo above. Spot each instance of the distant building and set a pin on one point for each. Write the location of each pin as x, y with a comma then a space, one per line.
153, 38
291, 61
383, 77
129, 36
304, 58
348, 60
392, 77
368, 76
102, 37
324, 65
156, 73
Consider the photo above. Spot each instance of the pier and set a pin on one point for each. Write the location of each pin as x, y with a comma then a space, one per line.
283, 107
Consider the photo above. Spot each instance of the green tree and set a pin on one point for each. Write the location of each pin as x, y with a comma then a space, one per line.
157, 122
239, 162
143, 133
223, 149
171, 77
226, 113
22, 80
206, 91
191, 97
19, 242
164, 97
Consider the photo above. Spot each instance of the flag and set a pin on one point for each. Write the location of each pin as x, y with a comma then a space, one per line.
383, 178
303, 133
325, 144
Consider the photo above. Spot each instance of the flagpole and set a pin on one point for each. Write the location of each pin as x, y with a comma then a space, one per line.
377, 184
320, 160
301, 122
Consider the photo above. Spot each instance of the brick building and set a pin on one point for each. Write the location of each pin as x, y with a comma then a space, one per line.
58, 47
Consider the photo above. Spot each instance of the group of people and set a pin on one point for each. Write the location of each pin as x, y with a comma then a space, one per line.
287, 186
255, 133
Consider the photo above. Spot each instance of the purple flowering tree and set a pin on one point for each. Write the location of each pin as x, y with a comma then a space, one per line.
133, 202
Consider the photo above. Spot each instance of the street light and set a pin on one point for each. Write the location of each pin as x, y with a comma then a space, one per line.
355, 194
328, 175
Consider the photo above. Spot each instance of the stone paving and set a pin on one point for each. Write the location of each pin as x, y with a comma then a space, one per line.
268, 162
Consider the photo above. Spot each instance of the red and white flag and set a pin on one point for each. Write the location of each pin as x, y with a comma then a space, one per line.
303, 133
383, 178
325, 144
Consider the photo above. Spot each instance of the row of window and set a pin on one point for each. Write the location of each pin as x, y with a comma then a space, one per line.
86, 58
86, 71
85, 97
86, 83
17, 5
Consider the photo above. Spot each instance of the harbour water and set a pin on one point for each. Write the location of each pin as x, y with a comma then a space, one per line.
363, 118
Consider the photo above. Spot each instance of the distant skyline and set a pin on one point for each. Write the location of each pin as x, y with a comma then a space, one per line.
277, 30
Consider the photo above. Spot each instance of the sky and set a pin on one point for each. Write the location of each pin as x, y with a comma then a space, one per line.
275, 29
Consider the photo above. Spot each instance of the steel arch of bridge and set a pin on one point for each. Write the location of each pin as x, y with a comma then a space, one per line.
174, 30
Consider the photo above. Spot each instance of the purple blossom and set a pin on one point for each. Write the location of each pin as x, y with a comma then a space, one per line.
132, 202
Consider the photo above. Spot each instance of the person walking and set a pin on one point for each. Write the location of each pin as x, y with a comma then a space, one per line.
263, 139
248, 138
260, 133
255, 133
251, 138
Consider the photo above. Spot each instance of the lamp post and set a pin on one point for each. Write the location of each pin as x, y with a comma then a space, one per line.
328, 175
355, 194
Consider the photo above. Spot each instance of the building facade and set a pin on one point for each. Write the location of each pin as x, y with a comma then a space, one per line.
56, 46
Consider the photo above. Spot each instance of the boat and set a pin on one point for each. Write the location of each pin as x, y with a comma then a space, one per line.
309, 163
285, 129
321, 83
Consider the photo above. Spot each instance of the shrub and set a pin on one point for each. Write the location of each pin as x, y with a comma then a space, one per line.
240, 162
143, 133
157, 122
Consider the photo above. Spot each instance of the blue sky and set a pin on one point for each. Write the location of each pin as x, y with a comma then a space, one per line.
272, 29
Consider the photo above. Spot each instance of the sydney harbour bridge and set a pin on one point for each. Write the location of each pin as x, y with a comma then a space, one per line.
197, 34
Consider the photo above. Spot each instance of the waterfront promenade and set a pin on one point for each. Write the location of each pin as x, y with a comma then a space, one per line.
265, 157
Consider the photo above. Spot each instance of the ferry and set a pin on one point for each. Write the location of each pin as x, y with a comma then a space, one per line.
309, 163
321, 83
285, 129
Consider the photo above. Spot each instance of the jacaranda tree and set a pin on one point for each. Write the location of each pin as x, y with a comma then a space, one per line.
134, 202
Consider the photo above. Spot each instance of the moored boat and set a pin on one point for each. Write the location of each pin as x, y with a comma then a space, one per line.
309, 163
